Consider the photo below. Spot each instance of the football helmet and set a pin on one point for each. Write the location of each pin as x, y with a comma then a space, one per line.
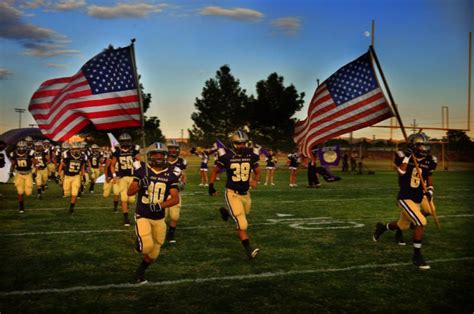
38, 146
21, 147
65, 146
46, 143
76, 149
125, 140
239, 137
421, 142
173, 148
156, 154
95, 147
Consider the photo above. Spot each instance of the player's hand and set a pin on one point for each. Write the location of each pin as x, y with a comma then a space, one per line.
409, 149
212, 190
10, 174
115, 180
429, 193
144, 182
154, 208
181, 186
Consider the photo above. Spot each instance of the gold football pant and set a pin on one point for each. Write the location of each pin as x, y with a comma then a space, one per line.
51, 168
24, 183
239, 207
94, 174
174, 211
71, 185
111, 186
413, 213
41, 177
124, 183
151, 236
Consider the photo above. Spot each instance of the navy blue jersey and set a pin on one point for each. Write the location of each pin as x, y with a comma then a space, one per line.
294, 160
238, 168
24, 161
409, 183
181, 163
160, 184
72, 164
41, 160
125, 159
95, 158
270, 160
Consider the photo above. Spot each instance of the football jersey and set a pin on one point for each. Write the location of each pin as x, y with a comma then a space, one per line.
409, 183
158, 190
3, 157
238, 168
72, 164
95, 159
24, 161
41, 160
125, 159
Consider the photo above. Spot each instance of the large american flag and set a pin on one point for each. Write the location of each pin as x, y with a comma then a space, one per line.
103, 92
348, 100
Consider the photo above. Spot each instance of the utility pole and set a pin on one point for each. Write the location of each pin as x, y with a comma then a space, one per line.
414, 126
20, 111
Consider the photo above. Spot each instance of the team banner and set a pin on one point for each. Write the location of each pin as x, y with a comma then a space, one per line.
329, 156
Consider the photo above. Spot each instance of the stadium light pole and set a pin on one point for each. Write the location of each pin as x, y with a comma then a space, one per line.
20, 111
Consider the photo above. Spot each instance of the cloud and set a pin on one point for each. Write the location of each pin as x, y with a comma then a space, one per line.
124, 10
289, 25
235, 13
57, 65
5, 73
46, 50
64, 5
37, 41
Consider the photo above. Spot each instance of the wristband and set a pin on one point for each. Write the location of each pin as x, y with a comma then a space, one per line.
405, 160
114, 175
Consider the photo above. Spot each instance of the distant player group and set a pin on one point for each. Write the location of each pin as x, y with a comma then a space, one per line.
153, 184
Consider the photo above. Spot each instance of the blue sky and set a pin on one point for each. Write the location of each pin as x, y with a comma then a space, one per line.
422, 45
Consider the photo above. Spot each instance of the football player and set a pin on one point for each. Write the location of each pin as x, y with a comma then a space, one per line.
42, 160
157, 189
412, 200
270, 166
293, 164
72, 170
95, 160
110, 185
178, 165
239, 164
22, 161
29, 143
124, 157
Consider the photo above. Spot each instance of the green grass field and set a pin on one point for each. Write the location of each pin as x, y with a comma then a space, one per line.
317, 253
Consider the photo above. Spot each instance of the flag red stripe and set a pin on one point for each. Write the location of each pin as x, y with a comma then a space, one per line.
115, 125
78, 127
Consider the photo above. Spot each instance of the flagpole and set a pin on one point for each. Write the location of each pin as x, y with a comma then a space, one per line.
140, 99
395, 109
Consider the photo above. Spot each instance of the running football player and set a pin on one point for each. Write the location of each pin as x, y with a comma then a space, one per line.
71, 170
178, 165
42, 161
157, 189
22, 161
95, 160
238, 164
412, 200
110, 185
124, 157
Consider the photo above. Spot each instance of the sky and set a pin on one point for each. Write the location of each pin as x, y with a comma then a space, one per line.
422, 46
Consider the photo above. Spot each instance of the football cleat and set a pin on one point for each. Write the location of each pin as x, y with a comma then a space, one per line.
140, 275
40, 197
224, 213
21, 211
379, 230
126, 222
419, 262
399, 237
252, 253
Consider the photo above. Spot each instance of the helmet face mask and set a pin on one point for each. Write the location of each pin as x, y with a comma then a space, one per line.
125, 141
157, 154
21, 147
421, 142
173, 148
76, 149
239, 140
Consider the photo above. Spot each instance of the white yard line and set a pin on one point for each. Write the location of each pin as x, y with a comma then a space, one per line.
263, 276
309, 220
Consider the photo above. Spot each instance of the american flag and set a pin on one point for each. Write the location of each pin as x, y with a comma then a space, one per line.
103, 92
348, 100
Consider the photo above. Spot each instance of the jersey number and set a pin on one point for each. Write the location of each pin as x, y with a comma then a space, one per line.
155, 193
74, 166
415, 178
241, 171
126, 162
22, 163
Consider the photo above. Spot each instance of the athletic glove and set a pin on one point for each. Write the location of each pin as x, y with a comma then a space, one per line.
143, 182
154, 208
429, 193
212, 190
409, 149
11, 174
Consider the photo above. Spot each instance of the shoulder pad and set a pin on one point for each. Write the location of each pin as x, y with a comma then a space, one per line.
177, 171
400, 154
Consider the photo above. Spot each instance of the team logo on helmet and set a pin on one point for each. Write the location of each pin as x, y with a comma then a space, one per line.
157, 154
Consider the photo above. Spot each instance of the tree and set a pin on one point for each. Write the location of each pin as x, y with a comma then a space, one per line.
222, 109
270, 122
459, 141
